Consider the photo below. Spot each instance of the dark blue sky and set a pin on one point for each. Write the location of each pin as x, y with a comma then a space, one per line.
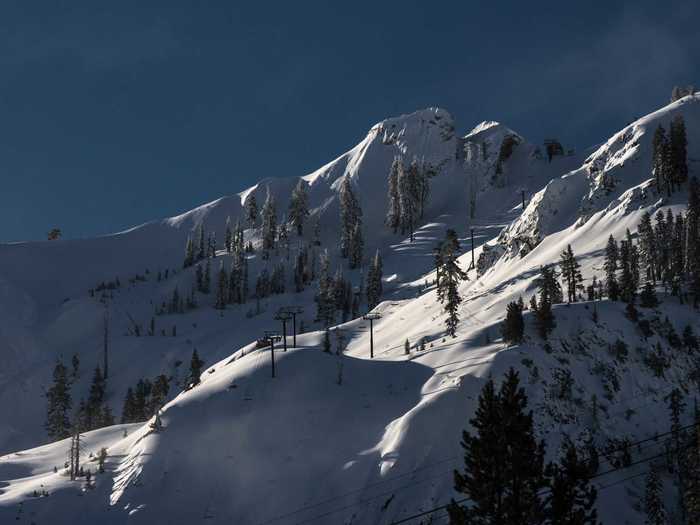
110, 117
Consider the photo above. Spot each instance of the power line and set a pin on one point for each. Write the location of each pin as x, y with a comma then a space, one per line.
605, 473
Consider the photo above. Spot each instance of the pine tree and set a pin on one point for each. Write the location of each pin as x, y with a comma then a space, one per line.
206, 280
628, 288
159, 394
693, 239
513, 327
610, 266
196, 365
393, 214
504, 463
648, 252
374, 282
571, 272
228, 236
327, 341
357, 245
572, 498
350, 217
299, 207
251, 210
647, 299
58, 404
449, 276
653, 500
409, 197
222, 288
129, 408
678, 145
269, 224
189, 253
691, 488
325, 304
95, 401
201, 247
659, 147
550, 293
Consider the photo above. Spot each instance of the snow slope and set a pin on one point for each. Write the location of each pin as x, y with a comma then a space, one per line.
339, 438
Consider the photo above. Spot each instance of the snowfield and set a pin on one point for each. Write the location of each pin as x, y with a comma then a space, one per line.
341, 438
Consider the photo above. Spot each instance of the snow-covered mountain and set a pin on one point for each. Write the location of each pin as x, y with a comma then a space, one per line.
338, 438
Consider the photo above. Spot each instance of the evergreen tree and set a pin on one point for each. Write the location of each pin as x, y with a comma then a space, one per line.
691, 488
374, 282
251, 210
159, 394
201, 247
647, 299
350, 218
678, 145
550, 293
610, 266
299, 207
325, 304
409, 197
269, 224
504, 463
196, 365
572, 498
96, 398
393, 214
659, 157
129, 408
571, 273
693, 239
653, 500
189, 253
228, 236
356, 247
449, 277
648, 252
58, 404
206, 280
222, 288
513, 327
628, 288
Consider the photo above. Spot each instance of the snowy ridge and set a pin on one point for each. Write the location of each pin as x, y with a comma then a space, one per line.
342, 438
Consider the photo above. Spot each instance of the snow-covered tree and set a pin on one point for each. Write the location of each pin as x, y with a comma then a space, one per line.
269, 224
299, 207
393, 213
58, 404
350, 217
251, 210
325, 303
222, 288
610, 266
653, 500
356, 247
374, 281
228, 236
449, 277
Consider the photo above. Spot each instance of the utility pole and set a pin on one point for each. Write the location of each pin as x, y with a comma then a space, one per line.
293, 311
371, 317
283, 316
270, 337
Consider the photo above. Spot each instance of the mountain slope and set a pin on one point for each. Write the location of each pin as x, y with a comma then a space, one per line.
340, 438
